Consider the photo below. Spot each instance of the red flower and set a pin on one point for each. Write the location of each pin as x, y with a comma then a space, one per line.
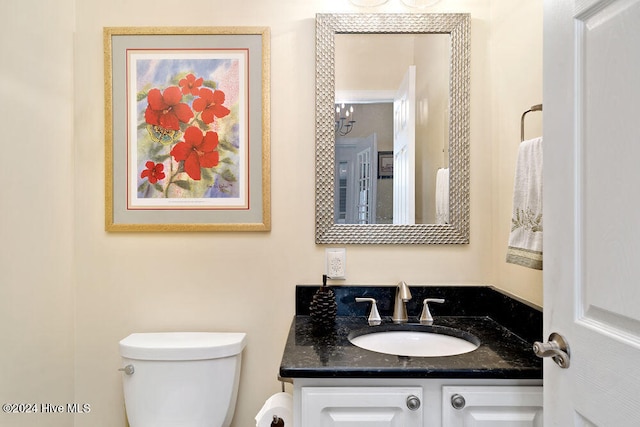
197, 151
210, 103
153, 172
166, 110
190, 85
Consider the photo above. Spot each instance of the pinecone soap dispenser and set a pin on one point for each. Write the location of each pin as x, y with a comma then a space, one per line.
323, 307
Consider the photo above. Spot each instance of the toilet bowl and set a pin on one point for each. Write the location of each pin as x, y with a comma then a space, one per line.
181, 379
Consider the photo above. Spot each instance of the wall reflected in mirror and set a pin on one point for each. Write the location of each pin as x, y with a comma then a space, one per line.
392, 97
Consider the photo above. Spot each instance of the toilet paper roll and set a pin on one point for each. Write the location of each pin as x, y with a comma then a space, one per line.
280, 405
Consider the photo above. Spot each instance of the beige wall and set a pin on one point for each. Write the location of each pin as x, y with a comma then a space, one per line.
36, 208
516, 81
432, 121
71, 291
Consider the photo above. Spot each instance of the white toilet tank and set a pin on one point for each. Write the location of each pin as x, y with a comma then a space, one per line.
181, 379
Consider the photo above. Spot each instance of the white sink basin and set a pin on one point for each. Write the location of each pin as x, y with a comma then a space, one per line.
413, 343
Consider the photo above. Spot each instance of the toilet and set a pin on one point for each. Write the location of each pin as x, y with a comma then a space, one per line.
181, 379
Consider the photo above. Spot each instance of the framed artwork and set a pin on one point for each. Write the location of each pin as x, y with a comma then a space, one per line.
187, 121
385, 164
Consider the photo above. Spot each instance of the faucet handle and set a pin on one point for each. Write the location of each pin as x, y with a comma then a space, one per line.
426, 317
374, 315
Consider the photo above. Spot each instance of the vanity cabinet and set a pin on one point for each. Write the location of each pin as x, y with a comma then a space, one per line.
361, 407
338, 384
450, 402
491, 406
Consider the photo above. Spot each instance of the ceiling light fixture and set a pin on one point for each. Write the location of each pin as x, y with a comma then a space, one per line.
344, 119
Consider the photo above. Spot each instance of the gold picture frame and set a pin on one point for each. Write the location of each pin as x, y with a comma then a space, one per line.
187, 128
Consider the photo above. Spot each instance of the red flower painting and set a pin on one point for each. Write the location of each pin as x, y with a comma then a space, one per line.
180, 152
191, 85
210, 105
197, 151
166, 110
154, 172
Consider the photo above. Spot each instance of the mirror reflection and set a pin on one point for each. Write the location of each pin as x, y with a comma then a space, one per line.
443, 142
391, 129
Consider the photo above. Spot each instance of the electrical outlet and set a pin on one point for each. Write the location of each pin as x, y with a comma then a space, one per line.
336, 263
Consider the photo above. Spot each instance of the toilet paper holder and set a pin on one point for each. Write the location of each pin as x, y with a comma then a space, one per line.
276, 411
284, 380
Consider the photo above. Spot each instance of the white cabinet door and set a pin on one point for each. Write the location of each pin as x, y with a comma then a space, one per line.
361, 407
492, 406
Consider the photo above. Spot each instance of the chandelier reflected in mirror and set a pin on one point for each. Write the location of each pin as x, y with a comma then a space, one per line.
344, 119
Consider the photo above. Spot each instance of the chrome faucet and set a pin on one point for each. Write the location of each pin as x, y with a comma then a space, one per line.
403, 294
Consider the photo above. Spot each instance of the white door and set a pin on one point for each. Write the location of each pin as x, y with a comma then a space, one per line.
354, 183
366, 164
592, 210
404, 150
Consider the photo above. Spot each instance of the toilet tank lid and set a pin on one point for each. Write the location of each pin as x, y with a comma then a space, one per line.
182, 345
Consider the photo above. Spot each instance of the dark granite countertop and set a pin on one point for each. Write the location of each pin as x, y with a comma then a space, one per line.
502, 354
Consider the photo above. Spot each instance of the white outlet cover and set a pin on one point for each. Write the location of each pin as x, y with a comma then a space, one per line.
336, 263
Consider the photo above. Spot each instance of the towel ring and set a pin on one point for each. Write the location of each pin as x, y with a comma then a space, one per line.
537, 107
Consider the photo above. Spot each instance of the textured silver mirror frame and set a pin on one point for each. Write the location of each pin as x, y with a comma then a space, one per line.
458, 26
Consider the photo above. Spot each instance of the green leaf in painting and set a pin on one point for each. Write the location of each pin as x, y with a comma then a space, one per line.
228, 176
175, 80
158, 153
143, 187
161, 158
225, 145
210, 83
155, 149
186, 185
201, 124
143, 93
207, 174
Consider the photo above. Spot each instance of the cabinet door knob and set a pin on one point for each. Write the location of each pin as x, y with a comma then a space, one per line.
413, 403
457, 401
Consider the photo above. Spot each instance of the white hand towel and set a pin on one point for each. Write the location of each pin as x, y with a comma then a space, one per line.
442, 196
525, 240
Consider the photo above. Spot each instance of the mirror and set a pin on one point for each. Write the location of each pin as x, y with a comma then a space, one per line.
336, 36
416, 71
